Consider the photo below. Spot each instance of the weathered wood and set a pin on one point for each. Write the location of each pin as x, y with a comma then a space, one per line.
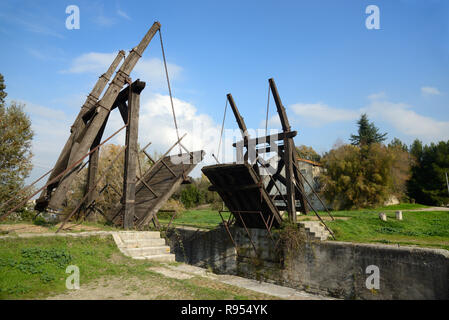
104, 107
267, 139
131, 154
238, 117
92, 173
91, 100
289, 158
240, 187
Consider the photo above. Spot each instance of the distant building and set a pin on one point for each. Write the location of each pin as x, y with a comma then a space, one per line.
311, 171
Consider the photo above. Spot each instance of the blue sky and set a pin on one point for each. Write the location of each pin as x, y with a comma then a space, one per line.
329, 68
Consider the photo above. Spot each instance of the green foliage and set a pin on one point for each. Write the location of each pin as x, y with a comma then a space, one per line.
197, 193
3, 94
32, 268
40, 221
396, 143
308, 153
190, 196
368, 133
15, 149
428, 174
357, 177
400, 168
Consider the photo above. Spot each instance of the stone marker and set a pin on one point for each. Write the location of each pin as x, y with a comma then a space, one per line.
398, 215
383, 216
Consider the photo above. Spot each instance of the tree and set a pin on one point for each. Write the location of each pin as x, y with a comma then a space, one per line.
308, 153
357, 177
396, 143
368, 133
3, 94
427, 184
15, 149
401, 167
190, 196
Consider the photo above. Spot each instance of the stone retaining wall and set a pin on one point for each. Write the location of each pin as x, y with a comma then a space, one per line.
332, 268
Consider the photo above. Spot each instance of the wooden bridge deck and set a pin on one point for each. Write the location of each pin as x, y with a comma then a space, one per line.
242, 190
157, 186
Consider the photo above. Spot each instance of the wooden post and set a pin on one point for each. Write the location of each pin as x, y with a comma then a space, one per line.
131, 154
92, 173
288, 154
91, 179
242, 127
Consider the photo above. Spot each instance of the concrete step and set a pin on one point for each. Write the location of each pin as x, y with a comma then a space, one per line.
143, 245
315, 230
132, 235
135, 243
147, 251
168, 257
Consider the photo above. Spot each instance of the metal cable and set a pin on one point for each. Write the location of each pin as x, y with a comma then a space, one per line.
169, 88
222, 126
268, 107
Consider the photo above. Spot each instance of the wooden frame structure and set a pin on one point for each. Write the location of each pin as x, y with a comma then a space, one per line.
241, 185
142, 195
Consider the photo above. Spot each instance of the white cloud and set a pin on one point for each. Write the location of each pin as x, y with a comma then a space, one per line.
51, 129
319, 114
156, 126
409, 122
123, 14
377, 96
400, 116
430, 91
149, 70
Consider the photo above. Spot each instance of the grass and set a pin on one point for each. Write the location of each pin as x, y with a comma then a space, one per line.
206, 219
425, 229
403, 206
34, 268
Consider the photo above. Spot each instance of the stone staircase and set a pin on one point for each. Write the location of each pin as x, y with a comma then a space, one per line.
314, 230
143, 245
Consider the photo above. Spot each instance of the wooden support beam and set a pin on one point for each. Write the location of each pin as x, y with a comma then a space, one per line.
288, 158
78, 125
267, 139
131, 154
92, 172
238, 117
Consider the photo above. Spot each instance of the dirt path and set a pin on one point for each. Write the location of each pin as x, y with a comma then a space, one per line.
19, 228
149, 289
429, 209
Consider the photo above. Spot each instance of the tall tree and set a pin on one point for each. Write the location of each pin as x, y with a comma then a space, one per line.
3, 94
355, 181
427, 184
15, 148
368, 133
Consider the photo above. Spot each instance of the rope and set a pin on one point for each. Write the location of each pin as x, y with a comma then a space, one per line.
169, 89
222, 126
268, 107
